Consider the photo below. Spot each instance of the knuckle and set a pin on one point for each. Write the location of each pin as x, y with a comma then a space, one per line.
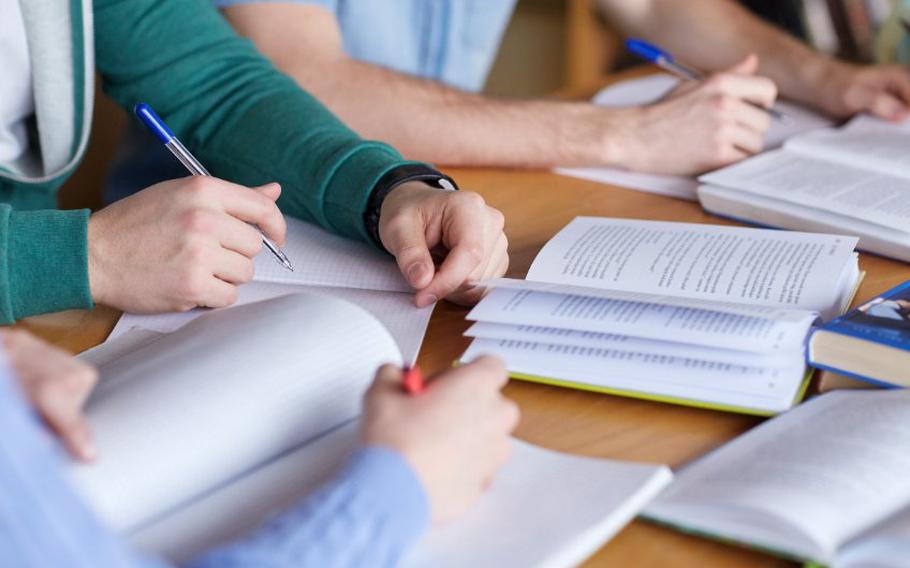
471, 199
497, 218
196, 221
475, 252
247, 271
192, 286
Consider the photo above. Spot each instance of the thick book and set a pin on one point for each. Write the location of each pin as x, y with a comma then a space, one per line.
207, 431
870, 343
702, 315
852, 180
825, 483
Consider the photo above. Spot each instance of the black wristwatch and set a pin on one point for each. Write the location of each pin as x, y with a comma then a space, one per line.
392, 179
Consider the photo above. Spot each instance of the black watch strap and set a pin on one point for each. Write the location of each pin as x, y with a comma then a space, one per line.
392, 179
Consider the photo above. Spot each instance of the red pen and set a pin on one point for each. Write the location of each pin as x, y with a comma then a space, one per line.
412, 380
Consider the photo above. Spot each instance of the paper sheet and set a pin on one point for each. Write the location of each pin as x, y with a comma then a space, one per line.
651, 88
223, 394
586, 501
406, 323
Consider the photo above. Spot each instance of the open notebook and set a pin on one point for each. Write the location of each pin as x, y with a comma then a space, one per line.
327, 264
702, 315
651, 88
207, 431
851, 180
826, 482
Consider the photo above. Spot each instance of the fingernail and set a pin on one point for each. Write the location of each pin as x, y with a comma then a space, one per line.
415, 272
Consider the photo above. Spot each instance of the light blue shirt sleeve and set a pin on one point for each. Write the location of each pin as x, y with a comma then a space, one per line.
369, 515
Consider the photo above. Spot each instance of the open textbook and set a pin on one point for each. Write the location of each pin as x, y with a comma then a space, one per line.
702, 315
205, 432
327, 264
851, 180
650, 89
826, 482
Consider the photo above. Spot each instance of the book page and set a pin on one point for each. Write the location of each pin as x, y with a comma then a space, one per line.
866, 142
707, 262
223, 394
817, 183
885, 546
640, 319
586, 502
651, 88
760, 389
779, 354
321, 258
405, 322
802, 472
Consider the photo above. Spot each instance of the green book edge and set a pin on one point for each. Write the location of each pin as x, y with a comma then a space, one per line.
800, 394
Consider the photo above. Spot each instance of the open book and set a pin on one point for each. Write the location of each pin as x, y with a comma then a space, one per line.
825, 482
694, 314
205, 432
651, 88
852, 180
326, 264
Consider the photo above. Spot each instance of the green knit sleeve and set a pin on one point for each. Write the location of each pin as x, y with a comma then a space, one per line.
43, 262
246, 121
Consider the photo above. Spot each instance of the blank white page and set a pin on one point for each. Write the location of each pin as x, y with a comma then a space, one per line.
828, 469
707, 262
405, 322
225, 393
321, 258
649, 89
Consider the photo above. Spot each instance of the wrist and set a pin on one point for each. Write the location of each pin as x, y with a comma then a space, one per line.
95, 256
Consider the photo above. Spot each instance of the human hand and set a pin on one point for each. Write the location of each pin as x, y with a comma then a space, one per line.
455, 434
699, 126
846, 89
416, 219
56, 384
180, 244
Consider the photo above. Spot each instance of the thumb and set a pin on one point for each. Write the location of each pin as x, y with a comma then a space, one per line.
408, 244
747, 66
270, 190
388, 378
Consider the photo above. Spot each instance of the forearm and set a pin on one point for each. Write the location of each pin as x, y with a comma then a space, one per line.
726, 33
430, 121
368, 516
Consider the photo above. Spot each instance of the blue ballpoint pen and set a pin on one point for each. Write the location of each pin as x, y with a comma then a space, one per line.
160, 129
653, 54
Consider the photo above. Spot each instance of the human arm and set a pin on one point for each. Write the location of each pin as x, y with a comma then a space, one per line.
431, 121
186, 245
406, 473
726, 32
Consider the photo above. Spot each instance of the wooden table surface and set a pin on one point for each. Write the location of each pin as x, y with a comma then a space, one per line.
537, 204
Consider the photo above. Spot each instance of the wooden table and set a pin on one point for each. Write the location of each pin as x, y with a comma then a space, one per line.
537, 205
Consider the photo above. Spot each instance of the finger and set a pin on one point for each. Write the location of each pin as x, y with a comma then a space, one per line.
253, 206
237, 236
218, 294
900, 80
759, 90
467, 253
270, 190
887, 106
486, 370
63, 414
405, 238
233, 267
747, 66
510, 415
752, 117
746, 140
471, 293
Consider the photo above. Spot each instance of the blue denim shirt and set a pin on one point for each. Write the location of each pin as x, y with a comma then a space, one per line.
450, 41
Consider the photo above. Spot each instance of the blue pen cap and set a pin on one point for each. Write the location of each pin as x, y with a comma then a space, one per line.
647, 51
153, 122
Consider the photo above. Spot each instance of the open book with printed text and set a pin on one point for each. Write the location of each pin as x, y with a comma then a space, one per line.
696, 314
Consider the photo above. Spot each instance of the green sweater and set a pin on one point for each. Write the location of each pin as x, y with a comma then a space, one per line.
245, 121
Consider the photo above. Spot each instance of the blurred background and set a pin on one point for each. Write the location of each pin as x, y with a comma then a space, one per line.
564, 48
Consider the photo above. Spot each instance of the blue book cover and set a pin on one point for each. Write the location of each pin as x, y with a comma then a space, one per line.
884, 320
